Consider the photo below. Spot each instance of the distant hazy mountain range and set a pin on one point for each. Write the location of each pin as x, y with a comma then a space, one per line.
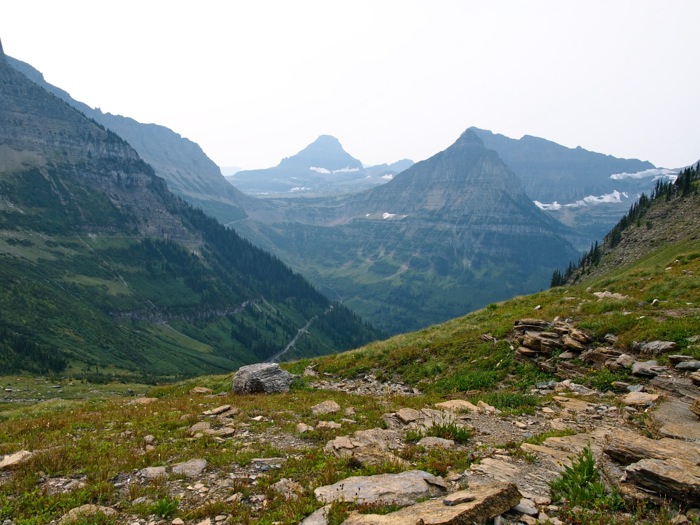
585, 190
322, 168
448, 235
408, 245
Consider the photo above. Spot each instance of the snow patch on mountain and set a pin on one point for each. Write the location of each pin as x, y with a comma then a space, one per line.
326, 171
654, 173
548, 206
614, 197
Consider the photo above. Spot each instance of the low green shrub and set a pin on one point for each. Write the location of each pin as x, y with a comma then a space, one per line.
165, 507
580, 484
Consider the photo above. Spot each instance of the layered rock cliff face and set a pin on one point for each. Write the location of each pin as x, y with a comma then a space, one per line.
70, 157
186, 169
465, 183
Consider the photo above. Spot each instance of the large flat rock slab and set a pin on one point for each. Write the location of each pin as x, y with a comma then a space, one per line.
675, 420
486, 502
671, 478
401, 489
628, 447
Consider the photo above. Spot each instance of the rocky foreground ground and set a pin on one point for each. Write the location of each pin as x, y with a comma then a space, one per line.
644, 435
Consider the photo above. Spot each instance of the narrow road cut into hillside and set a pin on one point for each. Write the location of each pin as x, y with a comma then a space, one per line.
303, 330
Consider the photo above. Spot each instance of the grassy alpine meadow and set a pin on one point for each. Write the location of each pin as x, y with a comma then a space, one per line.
98, 442
90, 441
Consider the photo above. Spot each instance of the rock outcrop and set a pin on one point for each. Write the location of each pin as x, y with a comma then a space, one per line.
476, 505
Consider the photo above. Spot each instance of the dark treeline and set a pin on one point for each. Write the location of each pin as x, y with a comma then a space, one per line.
235, 255
683, 186
341, 324
20, 353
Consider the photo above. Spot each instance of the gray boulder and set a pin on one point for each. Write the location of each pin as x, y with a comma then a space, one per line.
261, 378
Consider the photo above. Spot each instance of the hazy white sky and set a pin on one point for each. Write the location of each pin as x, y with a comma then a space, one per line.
257, 80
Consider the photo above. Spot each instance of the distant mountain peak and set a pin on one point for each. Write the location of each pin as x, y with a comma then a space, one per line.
469, 138
325, 152
2, 53
327, 139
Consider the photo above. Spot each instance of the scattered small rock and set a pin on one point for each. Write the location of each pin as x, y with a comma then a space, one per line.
201, 390
15, 459
325, 407
527, 507
151, 473
287, 488
609, 295
303, 427
190, 469
645, 369
328, 424
218, 410
639, 399
85, 511
436, 442
458, 405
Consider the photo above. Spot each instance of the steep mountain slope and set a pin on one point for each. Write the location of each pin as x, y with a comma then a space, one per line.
188, 172
106, 270
585, 190
448, 235
669, 217
321, 168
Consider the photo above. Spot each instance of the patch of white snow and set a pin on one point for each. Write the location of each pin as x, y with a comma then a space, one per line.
551, 206
656, 173
615, 197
